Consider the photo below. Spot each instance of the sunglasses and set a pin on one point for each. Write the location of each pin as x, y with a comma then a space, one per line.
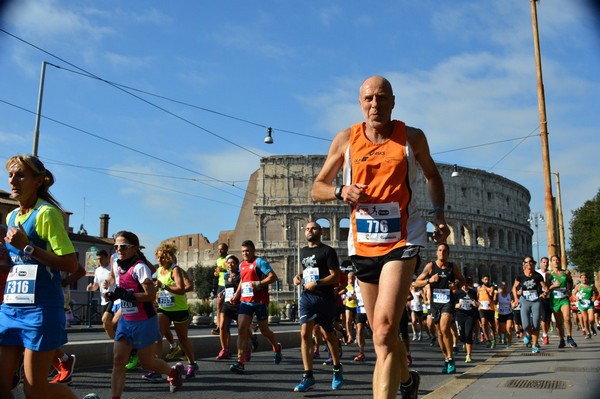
122, 247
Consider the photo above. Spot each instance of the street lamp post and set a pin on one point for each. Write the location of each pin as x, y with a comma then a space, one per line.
535, 218
36, 131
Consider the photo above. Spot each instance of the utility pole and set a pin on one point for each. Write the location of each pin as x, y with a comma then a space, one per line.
561, 228
36, 131
549, 206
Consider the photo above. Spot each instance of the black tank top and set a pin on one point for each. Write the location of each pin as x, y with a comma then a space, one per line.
446, 275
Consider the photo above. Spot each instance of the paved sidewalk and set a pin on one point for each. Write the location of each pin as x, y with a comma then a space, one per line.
517, 373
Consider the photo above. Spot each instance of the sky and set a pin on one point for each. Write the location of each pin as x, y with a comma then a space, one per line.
155, 112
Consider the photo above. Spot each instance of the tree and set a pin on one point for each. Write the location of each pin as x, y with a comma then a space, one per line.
585, 237
203, 278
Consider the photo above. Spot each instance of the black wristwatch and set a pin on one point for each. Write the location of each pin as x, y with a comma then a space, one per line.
338, 192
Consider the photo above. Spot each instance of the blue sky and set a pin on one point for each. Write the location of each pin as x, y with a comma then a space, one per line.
463, 71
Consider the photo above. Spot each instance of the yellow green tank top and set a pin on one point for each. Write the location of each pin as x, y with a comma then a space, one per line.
167, 300
223, 268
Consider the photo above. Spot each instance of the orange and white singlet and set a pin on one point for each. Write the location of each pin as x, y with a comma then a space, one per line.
389, 169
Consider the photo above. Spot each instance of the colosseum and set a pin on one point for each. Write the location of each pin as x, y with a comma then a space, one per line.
487, 214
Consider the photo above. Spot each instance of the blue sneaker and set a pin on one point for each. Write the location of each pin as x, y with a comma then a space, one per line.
451, 367
338, 378
445, 368
277, 356
527, 340
305, 384
535, 349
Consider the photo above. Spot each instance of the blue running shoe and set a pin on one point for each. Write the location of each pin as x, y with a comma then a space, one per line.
535, 349
451, 367
527, 340
277, 357
305, 384
338, 378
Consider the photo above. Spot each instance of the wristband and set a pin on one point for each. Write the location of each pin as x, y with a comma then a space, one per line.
338, 192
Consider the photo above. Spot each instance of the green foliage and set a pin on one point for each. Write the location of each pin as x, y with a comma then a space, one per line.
204, 280
273, 309
203, 307
585, 237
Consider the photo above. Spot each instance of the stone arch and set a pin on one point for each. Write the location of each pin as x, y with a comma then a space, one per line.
501, 239
465, 235
344, 229
479, 237
510, 241
325, 227
491, 237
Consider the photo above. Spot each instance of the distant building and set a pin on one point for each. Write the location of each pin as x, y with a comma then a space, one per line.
487, 215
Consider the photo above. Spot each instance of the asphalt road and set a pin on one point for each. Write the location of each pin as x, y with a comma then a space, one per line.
263, 378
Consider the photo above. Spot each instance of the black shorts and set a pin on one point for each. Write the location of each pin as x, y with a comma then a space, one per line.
361, 318
230, 310
368, 269
487, 315
176, 316
319, 308
503, 318
438, 308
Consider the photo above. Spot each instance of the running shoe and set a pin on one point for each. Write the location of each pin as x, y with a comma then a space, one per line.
561, 344
215, 331
338, 378
455, 350
175, 378
594, 332
277, 356
152, 376
65, 371
254, 341
173, 351
493, 344
488, 344
589, 336
409, 360
420, 336
411, 391
535, 349
328, 361
451, 367
191, 371
445, 368
468, 359
414, 338
545, 340
316, 354
571, 342
237, 367
133, 362
360, 357
223, 354
433, 339
305, 384
527, 340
